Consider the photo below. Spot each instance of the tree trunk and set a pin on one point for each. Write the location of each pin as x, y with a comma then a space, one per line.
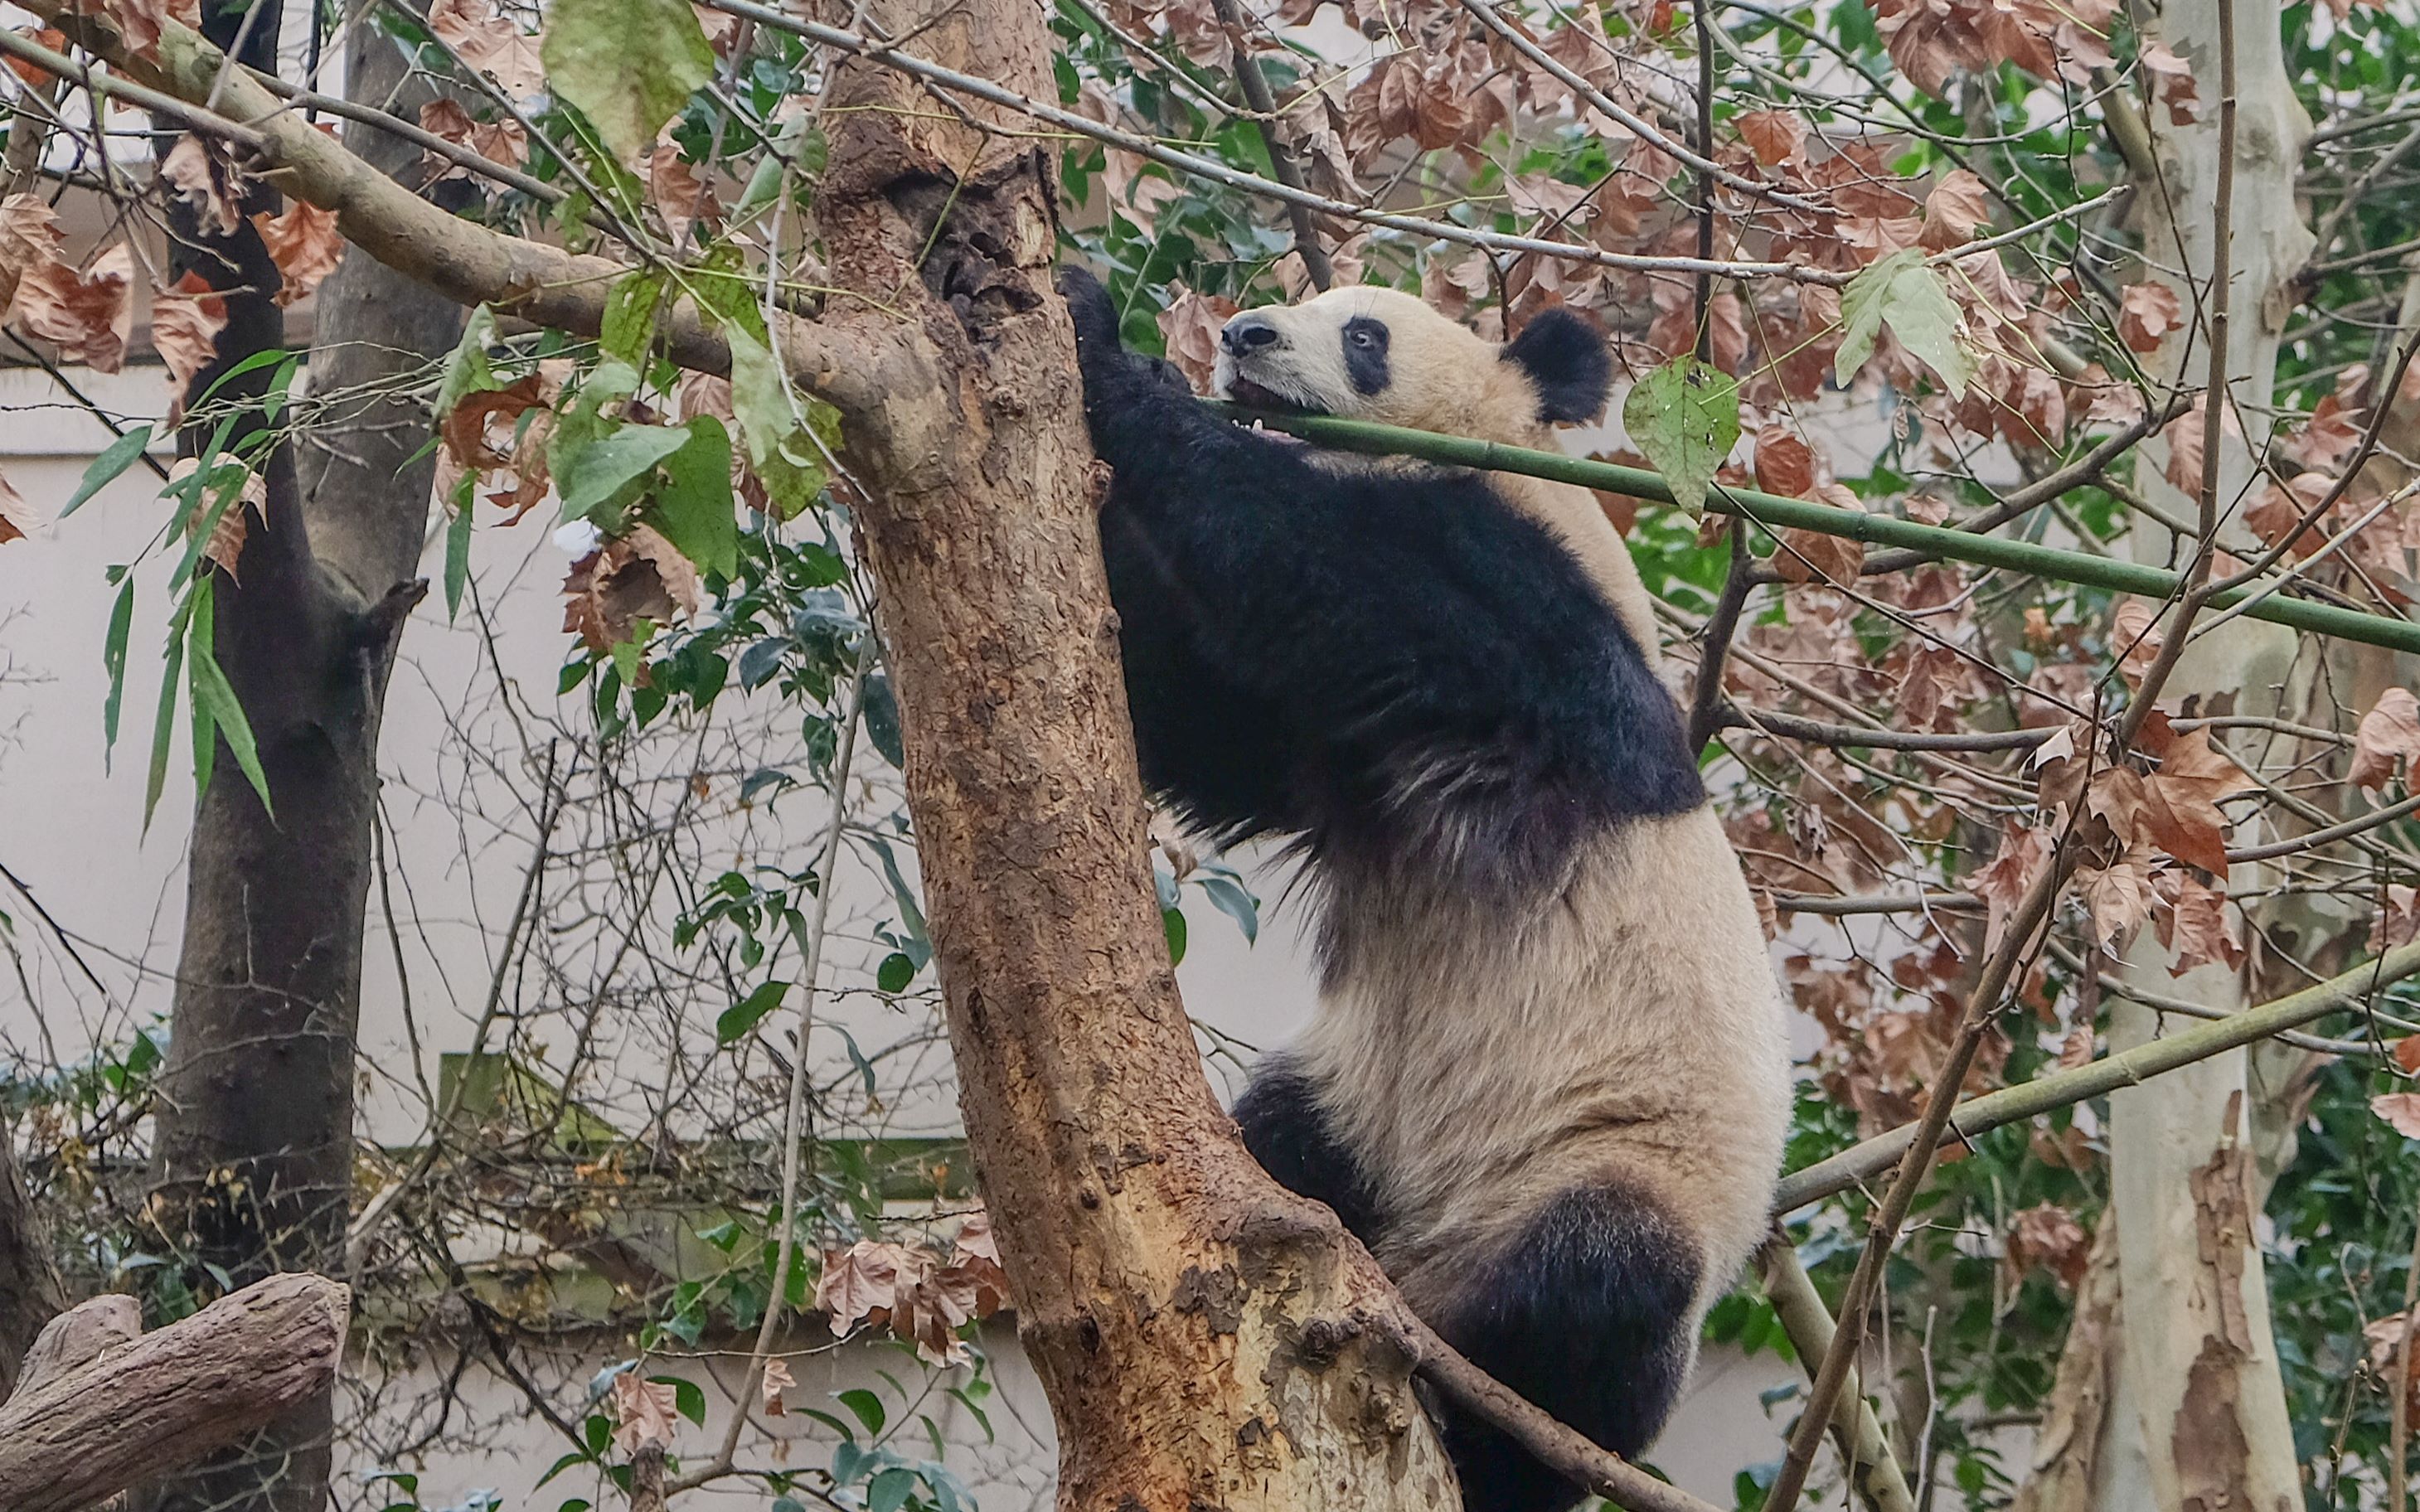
29, 1285
254, 1147
2174, 1352
1205, 1338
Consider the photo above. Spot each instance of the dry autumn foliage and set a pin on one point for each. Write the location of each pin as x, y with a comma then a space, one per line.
923, 1295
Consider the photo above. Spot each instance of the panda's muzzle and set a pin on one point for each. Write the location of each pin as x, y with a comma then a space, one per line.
1250, 334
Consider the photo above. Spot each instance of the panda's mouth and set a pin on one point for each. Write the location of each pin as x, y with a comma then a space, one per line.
1252, 395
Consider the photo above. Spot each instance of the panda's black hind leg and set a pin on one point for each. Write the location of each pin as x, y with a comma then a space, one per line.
1583, 1314
1288, 1133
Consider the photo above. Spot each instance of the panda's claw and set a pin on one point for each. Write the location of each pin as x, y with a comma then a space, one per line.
1094, 315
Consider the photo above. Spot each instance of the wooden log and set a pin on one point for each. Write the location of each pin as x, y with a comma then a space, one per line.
144, 1406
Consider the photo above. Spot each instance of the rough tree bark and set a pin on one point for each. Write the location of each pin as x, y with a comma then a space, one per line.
101, 1406
2169, 1396
30, 1295
1205, 1338
254, 1147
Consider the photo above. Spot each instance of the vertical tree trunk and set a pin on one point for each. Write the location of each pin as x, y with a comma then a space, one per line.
2178, 1361
29, 1287
1207, 1339
254, 1150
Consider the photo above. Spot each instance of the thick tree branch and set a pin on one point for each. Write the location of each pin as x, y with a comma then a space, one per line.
168, 1398
1856, 1431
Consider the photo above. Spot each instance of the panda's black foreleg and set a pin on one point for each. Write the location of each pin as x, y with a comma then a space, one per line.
1287, 1132
1583, 1314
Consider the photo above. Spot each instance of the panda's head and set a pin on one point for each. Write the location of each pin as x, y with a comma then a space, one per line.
1379, 354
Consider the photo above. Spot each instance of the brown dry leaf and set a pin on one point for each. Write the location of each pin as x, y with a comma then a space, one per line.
679, 192
2145, 313
1190, 326
304, 242
645, 1411
861, 1283
2134, 635
2400, 1110
1808, 556
490, 43
2002, 881
2406, 1052
501, 141
635, 576
1957, 206
465, 430
185, 325
17, 519
2388, 734
137, 21
205, 179
2193, 921
234, 524
1776, 136
1785, 464
2048, 1237
86, 316
29, 238
771, 1385
2180, 814
2185, 450
2075, 1051
2118, 898
34, 73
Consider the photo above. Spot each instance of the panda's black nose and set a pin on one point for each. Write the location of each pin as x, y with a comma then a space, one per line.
1248, 333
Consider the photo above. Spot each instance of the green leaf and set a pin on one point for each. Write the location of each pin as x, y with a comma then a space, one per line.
695, 510
591, 475
749, 1011
689, 1397
867, 1406
164, 721
1229, 898
895, 973
888, 1491
781, 450
1900, 291
882, 715
628, 65
1685, 417
113, 660
114, 460
630, 319
1173, 921
201, 637
210, 690
457, 546
466, 369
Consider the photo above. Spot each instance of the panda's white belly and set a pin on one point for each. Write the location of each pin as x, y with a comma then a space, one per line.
1630, 1028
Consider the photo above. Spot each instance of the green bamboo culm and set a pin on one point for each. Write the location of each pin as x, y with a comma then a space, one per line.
1772, 511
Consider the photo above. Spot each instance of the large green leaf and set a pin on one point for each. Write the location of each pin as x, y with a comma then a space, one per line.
695, 510
592, 474
784, 456
466, 370
626, 64
1905, 294
1685, 417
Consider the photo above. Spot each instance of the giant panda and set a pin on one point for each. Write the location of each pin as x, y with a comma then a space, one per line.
1547, 1080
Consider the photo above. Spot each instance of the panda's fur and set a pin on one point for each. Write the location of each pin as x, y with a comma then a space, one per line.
1548, 1081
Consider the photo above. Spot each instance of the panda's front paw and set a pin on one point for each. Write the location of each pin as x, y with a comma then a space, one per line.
1096, 319
1167, 375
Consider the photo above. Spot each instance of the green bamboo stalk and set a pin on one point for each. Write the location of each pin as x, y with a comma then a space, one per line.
1773, 511
2109, 1074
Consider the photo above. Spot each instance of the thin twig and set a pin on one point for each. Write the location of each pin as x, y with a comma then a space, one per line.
1255, 84
1856, 1433
193, 118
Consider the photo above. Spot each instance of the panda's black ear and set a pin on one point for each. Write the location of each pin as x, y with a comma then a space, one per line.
1567, 361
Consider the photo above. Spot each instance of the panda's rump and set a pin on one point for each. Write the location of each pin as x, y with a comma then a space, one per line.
1627, 1028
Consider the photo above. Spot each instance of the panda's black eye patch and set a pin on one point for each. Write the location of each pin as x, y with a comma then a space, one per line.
1365, 353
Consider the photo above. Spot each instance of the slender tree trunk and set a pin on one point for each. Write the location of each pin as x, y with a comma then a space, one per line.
254, 1147
2170, 1396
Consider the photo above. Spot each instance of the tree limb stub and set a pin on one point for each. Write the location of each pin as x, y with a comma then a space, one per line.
166, 1399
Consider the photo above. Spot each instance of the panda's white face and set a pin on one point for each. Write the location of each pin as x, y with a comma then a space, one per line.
1378, 354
